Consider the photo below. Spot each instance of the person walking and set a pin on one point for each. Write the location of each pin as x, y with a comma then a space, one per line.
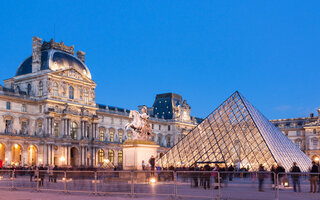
280, 172
207, 176
261, 175
272, 176
152, 162
231, 170
295, 177
143, 164
313, 177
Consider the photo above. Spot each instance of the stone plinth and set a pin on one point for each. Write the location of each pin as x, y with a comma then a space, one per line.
135, 151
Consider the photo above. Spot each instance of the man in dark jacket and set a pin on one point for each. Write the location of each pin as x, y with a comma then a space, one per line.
280, 172
152, 162
295, 177
313, 177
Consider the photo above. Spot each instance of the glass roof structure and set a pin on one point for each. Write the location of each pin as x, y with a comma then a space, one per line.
236, 133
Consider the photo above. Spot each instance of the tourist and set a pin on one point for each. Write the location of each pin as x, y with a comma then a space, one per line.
295, 177
216, 176
261, 175
313, 177
280, 172
143, 165
152, 162
231, 170
207, 176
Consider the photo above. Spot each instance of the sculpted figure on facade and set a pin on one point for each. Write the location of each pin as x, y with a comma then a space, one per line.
141, 129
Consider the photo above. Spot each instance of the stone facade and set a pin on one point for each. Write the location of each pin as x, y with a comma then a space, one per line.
48, 114
304, 132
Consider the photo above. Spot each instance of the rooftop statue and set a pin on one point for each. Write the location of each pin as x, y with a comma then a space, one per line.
141, 129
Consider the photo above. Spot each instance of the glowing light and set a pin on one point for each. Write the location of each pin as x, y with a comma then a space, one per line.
40, 160
316, 159
286, 184
62, 159
153, 180
6, 159
15, 146
106, 160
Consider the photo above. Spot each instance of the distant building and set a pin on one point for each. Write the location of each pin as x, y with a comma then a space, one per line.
303, 132
48, 114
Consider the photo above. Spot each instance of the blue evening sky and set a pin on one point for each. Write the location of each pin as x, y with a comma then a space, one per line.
202, 50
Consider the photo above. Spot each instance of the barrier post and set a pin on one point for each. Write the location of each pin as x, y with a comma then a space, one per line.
132, 184
277, 187
12, 179
95, 183
219, 186
37, 179
65, 182
175, 184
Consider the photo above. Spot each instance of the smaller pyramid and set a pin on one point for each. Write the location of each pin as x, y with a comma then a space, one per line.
236, 133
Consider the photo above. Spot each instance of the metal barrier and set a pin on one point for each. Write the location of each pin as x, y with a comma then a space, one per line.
299, 184
174, 184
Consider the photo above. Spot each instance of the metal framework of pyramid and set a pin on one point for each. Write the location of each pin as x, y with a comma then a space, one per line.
236, 133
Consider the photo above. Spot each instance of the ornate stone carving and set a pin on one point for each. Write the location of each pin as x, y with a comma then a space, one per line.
60, 46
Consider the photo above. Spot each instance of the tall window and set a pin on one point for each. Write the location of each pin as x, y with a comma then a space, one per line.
120, 157
40, 88
29, 89
111, 156
86, 95
39, 127
71, 92
55, 89
100, 156
23, 108
168, 141
74, 128
298, 143
169, 128
129, 136
40, 108
315, 142
8, 126
111, 134
101, 135
24, 127
56, 129
120, 136
8, 106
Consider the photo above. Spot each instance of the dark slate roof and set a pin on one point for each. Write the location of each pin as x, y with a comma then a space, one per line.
48, 58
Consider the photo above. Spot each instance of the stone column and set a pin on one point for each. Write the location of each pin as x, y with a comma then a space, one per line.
24, 159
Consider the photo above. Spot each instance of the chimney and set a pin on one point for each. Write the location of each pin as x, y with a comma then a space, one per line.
81, 55
311, 114
36, 54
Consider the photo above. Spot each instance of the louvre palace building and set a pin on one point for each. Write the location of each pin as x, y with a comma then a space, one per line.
48, 115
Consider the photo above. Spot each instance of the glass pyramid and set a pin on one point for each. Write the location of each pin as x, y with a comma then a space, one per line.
236, 133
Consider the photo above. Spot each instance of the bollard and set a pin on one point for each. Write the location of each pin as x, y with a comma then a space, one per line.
37, 175
12, 180
175, 185
95, 183
132, 184
65, 182
219, 186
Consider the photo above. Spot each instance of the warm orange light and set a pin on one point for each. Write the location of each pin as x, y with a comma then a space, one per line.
16, 146
316, 159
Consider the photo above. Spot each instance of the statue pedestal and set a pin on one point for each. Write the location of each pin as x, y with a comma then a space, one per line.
135, 151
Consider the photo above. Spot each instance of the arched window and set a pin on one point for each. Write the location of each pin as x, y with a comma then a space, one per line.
129, 135
120, 157
315, 142
100, 156
120, 136
101, 135
29, 89
71, 92
111, 135
55, 89
56, 129
40, 91
74, 128
111, 156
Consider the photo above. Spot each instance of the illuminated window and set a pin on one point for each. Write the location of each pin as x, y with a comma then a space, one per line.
71, 92
100, 156
120, 157
40, 88
74, 128
129, 136
111, 134
101, 135
111, 156
120, 137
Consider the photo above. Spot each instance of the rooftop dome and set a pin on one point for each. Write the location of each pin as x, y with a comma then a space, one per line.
54, 59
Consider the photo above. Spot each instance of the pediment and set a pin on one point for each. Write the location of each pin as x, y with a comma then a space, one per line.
72, 73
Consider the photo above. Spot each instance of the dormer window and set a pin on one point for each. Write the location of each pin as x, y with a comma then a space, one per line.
71, 92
